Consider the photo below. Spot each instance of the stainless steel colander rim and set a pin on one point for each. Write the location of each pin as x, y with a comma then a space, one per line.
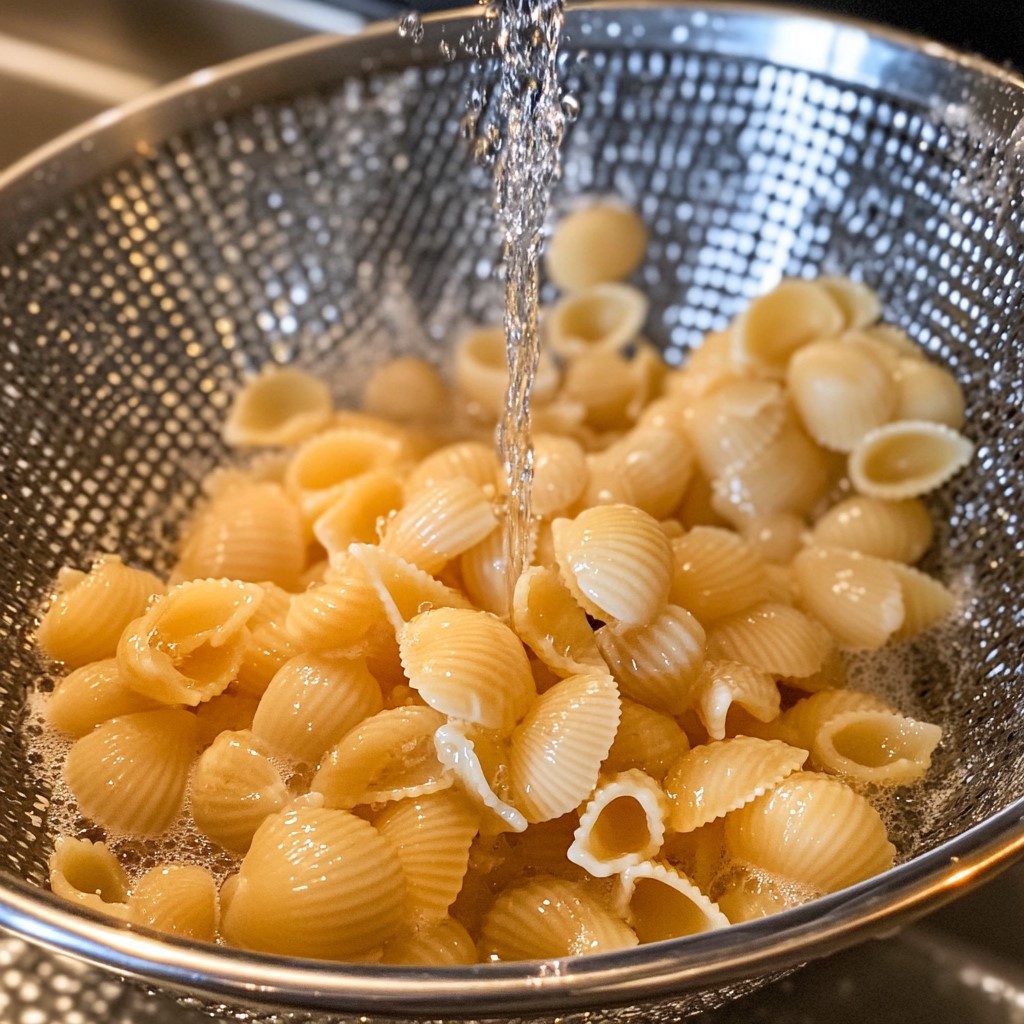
655, 970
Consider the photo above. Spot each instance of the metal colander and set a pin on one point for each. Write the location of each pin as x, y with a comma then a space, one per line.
317, 206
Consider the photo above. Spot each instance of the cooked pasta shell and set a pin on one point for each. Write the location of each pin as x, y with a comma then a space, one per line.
90, 610
856, 597
469, 665
548, 619
646, 739
235, 786
907, 459
282, 406
444, 943
92, 694
601, 318
358, 511
252, 533
775, 538
900, 531
484, 572
188, 647
925, 391
711, 780
700, 854
560, 474
877, 747
698, 505
180, 899
557, 749
841, 392
656, 664
748, 894
312, 702
337, 613
716, 573
707, 367
813, 830
319, 883
926, 600
725, 685
775, 325
771, 637
90, 875
431, 836
891, 338
597, 243
129, 774
268, 644
439, 524
622, 824
473, 460
407, 389
860, 305
801, 723
660, 903
389, 756
550, 917
616, 561
228, 712
611, 388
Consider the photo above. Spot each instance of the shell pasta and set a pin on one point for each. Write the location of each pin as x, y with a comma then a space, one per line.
339, 731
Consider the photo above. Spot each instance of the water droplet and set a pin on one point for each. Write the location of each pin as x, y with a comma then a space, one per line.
411, 27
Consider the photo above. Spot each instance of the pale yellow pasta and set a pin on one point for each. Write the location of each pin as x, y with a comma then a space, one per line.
774, 326
803, 721
179, 899
698, 505
547, 618
407, 389
471, 459
268, 644
337, 613
89, 874
775, 538
230, 711
700, 854
389, 756
603, 317
129, 775
899, 531
316, 882
646, 739
856, 597
725, 685
925, 391
468, 664
707, 367
813, 830
312, 701
841, 392
907, 459
549, 917
483, 569
92, 694
716, 573
616, 561
709, 781
281, 406
926, 600
622, 824
600, 242
660, 903
860, 305
444, 943
748, 894
560, 474
656, 664
90, 610
556, 751
890, 338
773, 638
234, 787
832, 674
610, 388
439, 524
252, 532
431, 836
358, 512
188, 647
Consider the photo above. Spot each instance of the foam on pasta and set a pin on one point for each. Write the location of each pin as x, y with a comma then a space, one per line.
338, 732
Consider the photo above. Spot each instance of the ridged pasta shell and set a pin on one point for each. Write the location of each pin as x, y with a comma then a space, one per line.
597, 243
907, 459
656, 664
336, 614
469, 665
253, 532
92, 694
899, 531
926, 600
728, 684
857, 598
180, 899
660, 903
560, 474
700, 855
269, 644
616, 561
281, 406
622, 824
860, 305
646, 739
444, 943
813, 830
431, 836
90, 610
129, 775
234, 787
925, 391
716, 573
90, 875
312, 702
484, 571
771, 637
775, 538
550, 917
801, 723
609, 389
602, 318
358, 511
557, 749
318, 883
389, 756
709, 781
407, 389
775, 325
473, 460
